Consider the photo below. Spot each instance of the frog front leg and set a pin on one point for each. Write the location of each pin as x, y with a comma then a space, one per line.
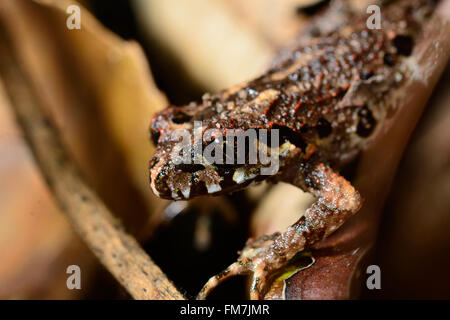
337, 200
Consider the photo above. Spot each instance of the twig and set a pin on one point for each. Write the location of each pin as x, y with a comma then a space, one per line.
118, 251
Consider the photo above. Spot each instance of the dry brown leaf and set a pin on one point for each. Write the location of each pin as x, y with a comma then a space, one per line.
99, 90
36, 242
415, 232
276, 20
216, 46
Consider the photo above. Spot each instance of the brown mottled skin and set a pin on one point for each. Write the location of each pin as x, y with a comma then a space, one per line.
326, 96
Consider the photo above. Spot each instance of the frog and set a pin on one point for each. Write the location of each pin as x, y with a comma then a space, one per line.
325, 97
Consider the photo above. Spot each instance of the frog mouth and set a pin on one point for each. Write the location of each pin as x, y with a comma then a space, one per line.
186, 181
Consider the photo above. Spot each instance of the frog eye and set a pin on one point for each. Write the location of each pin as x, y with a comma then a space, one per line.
366, 122
180, 117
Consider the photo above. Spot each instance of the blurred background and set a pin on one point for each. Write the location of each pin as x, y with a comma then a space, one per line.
101, 85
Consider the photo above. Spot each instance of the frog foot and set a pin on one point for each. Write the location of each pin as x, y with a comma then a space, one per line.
257, 258
337, 200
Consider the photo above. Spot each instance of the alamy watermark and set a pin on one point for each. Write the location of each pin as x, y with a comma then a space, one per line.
73, 22
74, 280
374, 20
374, 280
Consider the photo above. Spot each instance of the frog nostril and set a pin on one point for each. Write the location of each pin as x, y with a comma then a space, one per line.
180, 117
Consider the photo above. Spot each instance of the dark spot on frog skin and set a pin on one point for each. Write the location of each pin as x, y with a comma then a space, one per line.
323, 128
154, 136
190, 167
366, 122
287, 134
389, 59
198, 186
404, 44
180, 117
226, 171
365, 74
153, 162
